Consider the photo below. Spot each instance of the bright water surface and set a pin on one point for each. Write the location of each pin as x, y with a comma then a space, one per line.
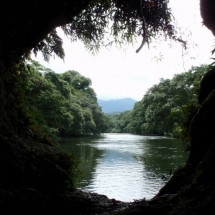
124, 166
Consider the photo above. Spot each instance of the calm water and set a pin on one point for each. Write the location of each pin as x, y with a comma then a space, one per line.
124, 166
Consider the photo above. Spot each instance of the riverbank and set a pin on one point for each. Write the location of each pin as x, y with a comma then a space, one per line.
31, 201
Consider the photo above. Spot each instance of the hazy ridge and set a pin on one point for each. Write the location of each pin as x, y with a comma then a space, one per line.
116, 105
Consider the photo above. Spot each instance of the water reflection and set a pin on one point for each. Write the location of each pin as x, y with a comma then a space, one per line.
87, 155
124, 166
162, 156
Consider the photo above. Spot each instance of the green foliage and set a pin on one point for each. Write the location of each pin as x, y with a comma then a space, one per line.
118, 123
166, 109
62, 104
104, 22
52, 43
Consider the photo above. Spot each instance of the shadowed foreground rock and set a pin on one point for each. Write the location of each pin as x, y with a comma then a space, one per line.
31, 201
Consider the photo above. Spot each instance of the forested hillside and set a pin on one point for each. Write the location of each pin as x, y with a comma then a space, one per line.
61, 104
166, 109
116, 105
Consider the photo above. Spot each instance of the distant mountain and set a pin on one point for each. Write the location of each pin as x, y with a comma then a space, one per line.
116, 106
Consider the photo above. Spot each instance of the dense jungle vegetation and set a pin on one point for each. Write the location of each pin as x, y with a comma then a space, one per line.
38, 178
166, 109
63, 104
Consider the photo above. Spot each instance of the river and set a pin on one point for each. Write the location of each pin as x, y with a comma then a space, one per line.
124, 166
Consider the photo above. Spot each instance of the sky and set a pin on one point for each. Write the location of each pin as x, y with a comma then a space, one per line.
122, 73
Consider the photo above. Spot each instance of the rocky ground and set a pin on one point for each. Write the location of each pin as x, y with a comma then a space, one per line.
30, 201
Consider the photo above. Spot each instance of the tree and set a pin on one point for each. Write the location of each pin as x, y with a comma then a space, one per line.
117, 122
88, 25
166, 106
60, 105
